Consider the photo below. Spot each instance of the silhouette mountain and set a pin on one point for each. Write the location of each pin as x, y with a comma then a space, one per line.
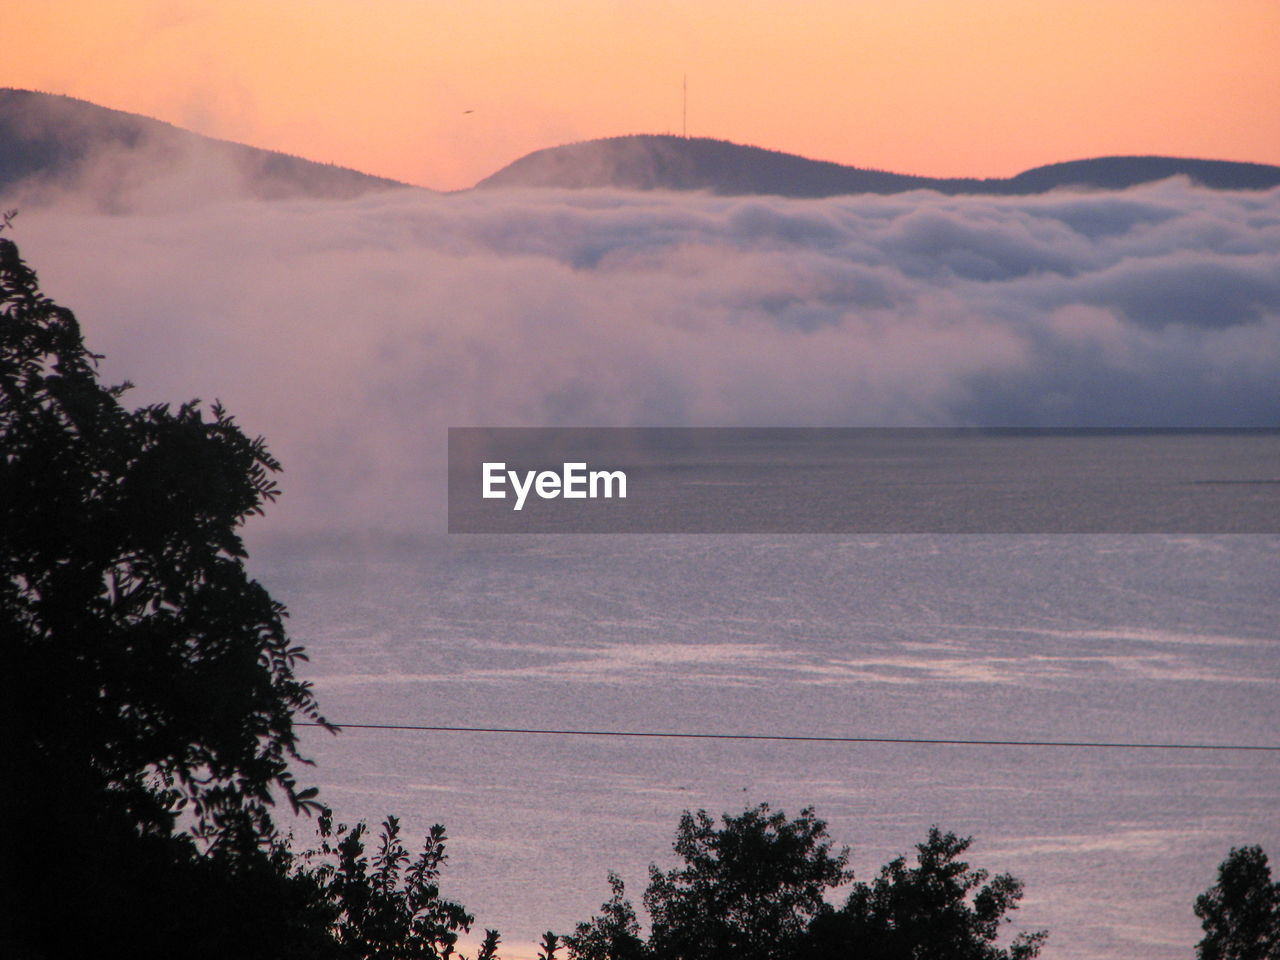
50, 142
676, 163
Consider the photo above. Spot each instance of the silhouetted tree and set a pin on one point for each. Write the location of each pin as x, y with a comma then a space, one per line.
754, 888
146, 677
1241, 912
548, 947
389, 906
488, 947
148, 691
747, 889
613, 934
941, 909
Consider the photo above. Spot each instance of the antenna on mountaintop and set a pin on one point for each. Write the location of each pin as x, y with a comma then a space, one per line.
684, 110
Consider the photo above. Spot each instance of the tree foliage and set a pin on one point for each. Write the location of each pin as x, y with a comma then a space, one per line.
612, 934
756, 886
146, 677
746, 889
389, 905
1241, 912
149, 693
548, 947
152, 666
940, 909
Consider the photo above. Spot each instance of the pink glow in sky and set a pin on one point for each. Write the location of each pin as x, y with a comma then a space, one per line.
442, 94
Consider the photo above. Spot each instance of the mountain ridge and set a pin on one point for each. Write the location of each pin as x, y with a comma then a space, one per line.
667, 161
50, 142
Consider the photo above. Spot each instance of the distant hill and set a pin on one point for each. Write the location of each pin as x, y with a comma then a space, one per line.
49, 143
677, 163
116, 160
1116, 173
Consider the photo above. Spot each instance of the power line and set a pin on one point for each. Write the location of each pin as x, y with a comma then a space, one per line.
935, 741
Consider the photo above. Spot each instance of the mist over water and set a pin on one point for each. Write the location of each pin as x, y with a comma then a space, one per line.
352, 334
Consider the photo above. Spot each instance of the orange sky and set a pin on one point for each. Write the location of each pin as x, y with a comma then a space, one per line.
942, 87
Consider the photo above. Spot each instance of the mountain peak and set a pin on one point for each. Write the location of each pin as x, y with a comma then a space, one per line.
670, 162
667, 162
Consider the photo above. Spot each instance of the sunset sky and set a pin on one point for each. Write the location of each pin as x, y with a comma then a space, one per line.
936, 87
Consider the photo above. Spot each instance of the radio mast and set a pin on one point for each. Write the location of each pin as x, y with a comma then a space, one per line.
684, 110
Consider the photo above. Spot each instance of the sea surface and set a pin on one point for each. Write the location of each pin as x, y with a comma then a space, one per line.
1153, 639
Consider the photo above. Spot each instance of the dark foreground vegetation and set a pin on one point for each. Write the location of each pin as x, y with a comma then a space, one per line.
148, 702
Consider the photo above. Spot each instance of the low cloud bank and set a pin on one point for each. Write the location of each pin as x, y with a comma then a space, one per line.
353, 333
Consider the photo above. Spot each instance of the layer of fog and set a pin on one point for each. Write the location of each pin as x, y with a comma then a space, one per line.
353, 333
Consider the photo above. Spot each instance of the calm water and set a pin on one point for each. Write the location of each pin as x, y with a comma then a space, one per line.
1118, 638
